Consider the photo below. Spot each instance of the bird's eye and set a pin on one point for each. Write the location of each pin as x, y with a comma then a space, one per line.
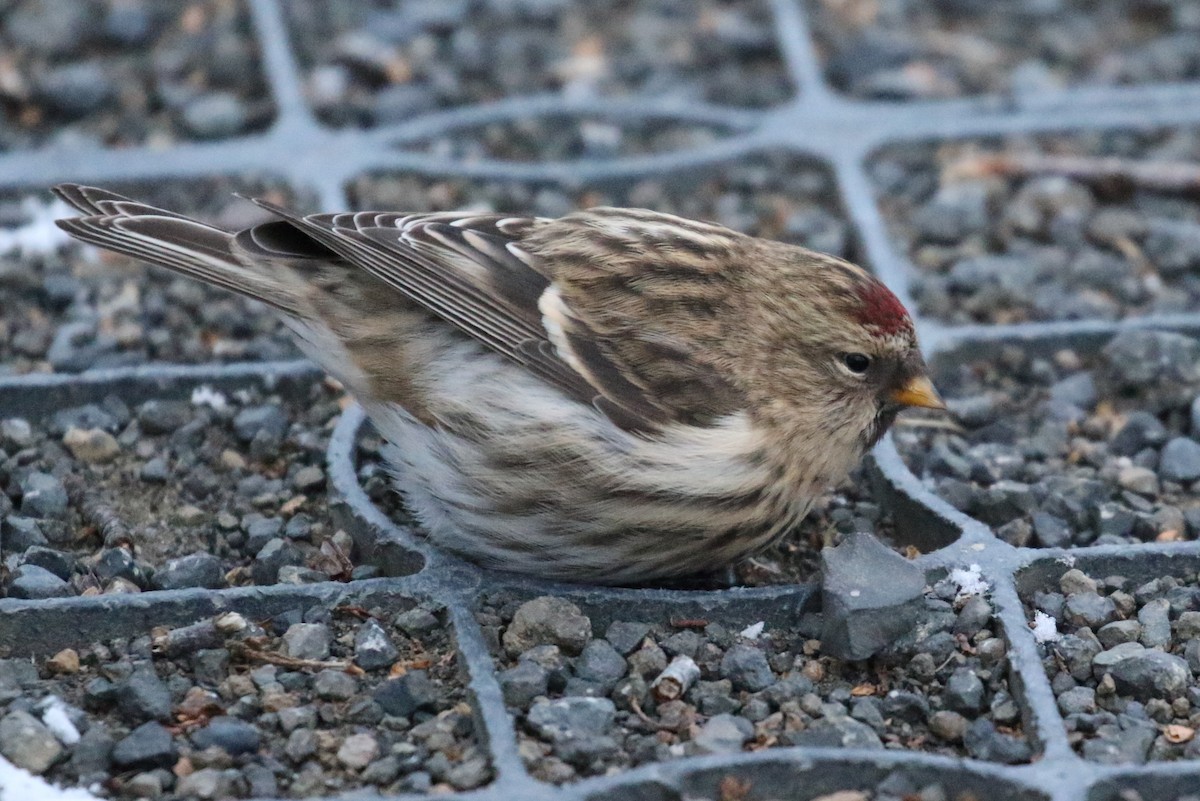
856, 362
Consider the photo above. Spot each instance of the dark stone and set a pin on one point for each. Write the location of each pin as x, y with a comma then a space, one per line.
861, 614
373, 648
33, 583
144, 696
148, 746
983, 741
194, 570
229, 734
404, 696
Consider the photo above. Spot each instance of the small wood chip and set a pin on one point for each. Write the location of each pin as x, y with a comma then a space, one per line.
1176, 733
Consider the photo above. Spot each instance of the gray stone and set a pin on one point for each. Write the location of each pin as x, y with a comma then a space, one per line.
626, 636
373, 648
861, 614
148, 746
1089, 609
266, 422
724, 734
15, 433
1051, 531
232, 735
1141, 430
974, 616
1077, 700
301, 744
215, 115
1151, 674
600, 662
965, 691
357, 751
163, 416
208, 784
43, 495
1180, 461
1104, 660
836, 732
59, 563
260, 530
1155, 618
307, 641
983, 741
747, 667
405, 695
548, 621
416, 621
949, 726
1118, 632
19, 533
522, 683
1162, 368
275, 555
144, 696
27, 742
33, 582
194, 570
334, 685
571, 717
1077, 389
309, 479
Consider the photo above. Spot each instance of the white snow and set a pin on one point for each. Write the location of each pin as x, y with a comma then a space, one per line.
969, 581
40, 236
54, 715
1045, 629
207, 396
753, 631
21, 785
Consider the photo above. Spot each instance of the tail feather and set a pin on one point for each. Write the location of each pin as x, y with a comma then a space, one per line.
181, 244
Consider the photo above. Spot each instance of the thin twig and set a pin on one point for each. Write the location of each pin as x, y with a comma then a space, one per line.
1176, 177
251, 654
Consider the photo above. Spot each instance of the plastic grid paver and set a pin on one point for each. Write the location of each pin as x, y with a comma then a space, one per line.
818, 124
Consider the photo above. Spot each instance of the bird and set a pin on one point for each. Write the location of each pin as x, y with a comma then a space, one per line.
615, 396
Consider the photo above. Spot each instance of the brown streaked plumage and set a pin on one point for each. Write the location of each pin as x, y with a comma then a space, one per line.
617, 395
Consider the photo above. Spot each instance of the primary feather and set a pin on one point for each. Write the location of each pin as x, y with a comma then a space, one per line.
616, 395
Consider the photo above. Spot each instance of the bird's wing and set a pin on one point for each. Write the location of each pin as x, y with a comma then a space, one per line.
478, 273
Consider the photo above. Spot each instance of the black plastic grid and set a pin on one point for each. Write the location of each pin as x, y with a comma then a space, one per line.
817, 123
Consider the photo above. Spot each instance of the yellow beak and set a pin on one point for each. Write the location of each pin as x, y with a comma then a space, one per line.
918, 391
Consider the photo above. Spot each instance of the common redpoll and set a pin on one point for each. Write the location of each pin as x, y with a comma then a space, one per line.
618, 395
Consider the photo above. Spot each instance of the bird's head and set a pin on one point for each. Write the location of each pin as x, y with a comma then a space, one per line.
840, 348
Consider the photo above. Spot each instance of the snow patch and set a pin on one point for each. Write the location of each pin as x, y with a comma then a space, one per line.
969, 581
39, 236
21, 785
207, 396
753, 631
1045, 628
54, 715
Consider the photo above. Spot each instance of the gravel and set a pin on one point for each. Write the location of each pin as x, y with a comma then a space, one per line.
370, 65
244, 715
1127, 687
118, 73
187, 499
1048, 466
1001, 249
602, 707
912, 51
70, 308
